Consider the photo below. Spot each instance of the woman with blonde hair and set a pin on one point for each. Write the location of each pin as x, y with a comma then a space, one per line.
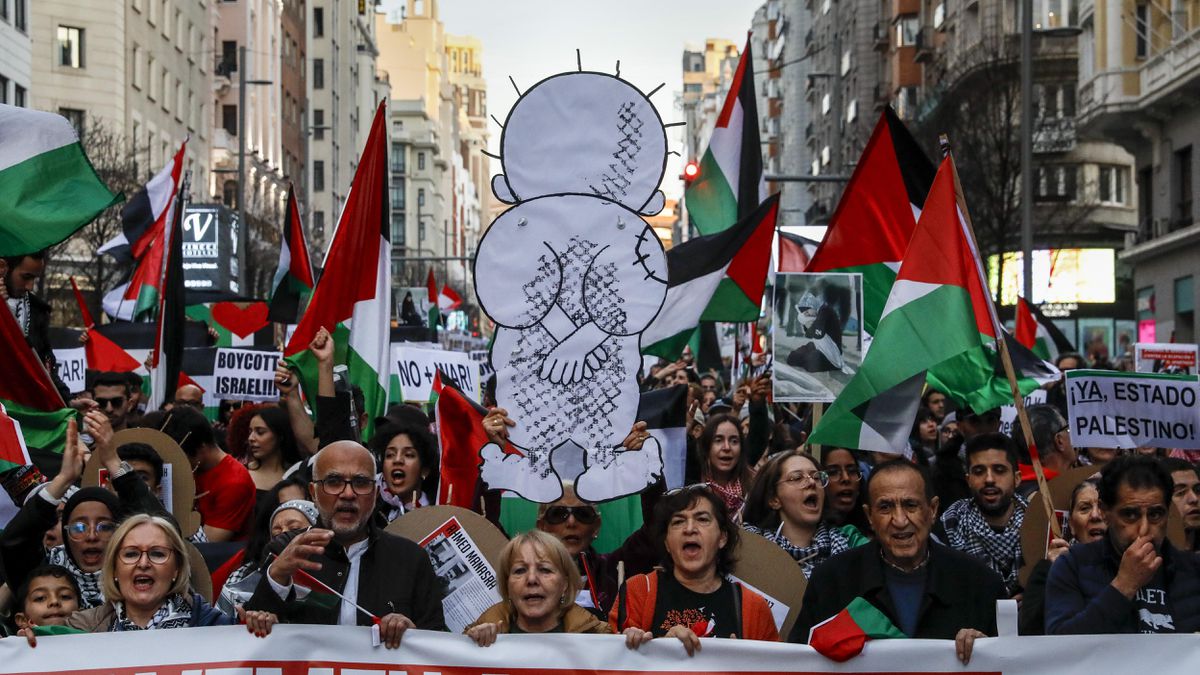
145, 578
538, 590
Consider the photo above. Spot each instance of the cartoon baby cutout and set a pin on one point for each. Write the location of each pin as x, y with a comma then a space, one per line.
572, 274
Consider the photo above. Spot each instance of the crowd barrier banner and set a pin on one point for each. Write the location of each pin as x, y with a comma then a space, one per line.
337, 650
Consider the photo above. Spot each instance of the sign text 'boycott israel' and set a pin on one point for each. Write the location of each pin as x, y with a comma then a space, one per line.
1108, 409
245, 374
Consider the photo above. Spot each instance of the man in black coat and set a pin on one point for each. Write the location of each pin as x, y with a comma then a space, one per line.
386, 575
927, 590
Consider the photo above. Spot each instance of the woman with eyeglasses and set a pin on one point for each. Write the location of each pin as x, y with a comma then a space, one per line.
89, 516
537, 583
146, 579
843, 494
785, 506
692, 596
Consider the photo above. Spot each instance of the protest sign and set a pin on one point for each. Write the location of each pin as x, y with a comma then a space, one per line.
1008, 413
1108, 409
415, 367
1158, 357
223, 650
818, 337
72, 367
464, 548
245, 374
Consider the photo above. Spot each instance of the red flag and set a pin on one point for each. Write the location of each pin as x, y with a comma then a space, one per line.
432, 288
1026, 328
12, 443
461, 436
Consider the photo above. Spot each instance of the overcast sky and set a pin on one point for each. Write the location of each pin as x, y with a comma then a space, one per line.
533, 39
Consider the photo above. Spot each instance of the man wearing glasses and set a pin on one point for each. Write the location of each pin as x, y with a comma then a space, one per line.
1132, 580
378, 576
110, 391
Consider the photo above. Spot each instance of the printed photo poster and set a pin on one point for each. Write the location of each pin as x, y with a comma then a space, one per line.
818, 336
1170, 358
469, 583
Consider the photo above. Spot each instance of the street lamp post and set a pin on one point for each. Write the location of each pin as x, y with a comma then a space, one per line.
1027, 149
243, 226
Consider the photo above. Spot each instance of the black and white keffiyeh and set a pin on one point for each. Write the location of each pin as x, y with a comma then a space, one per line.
826, 543
90, 594
968, 531
175, 612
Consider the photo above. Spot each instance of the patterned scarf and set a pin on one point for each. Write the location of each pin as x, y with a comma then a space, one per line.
969, 532
826, 543
89, 582
176, 612
732, 495
398, 508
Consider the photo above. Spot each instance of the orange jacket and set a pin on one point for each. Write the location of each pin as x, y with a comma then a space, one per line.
634, 608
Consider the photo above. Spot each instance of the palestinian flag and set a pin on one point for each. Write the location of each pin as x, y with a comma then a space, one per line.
353, 297
448, 300
871, 227
293, 282
716, 277
795, 252
166, 360
237, 324
431, 288
665, 413
1038, 334
730, 184
145, 216
102, 353
27, 393
941, 277
13, 452
842, 636
48, 188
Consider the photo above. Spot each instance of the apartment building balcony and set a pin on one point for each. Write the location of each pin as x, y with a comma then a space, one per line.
883, 32
1054, 136
924, 46
1111, 99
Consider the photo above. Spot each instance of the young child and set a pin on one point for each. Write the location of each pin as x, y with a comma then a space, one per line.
47, 598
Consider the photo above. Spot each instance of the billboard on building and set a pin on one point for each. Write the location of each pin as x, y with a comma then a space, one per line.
210, 252
1060, 275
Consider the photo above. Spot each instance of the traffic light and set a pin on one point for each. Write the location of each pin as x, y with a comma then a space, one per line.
690, 171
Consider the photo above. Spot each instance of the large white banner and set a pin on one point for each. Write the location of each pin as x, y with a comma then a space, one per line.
1109, 409
329, 650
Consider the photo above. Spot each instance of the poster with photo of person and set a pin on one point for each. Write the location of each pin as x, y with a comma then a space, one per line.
818, 336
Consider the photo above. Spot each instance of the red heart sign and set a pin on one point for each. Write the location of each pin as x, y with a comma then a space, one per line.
241, 318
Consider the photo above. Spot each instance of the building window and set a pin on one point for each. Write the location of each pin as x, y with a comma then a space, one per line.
692, 88
318, 22
1056, 183
906, 103
825, 105
939, 15
166, 89
318, 73
1145, 202
421, 163
4, 9
397, 158
906, 30
318, 124
1181, 215
318, 176
1141, 30
19, 96
397, 192
229, 58
21, 15
70, 47
229, 119
845, 62
397, 228
1112, 185
75, 117
3, 86
420, 197
318, 224
825, 156
1055, 101
852, 111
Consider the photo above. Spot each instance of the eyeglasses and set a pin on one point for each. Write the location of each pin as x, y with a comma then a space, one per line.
131, 555
115, 401
1132, 514
557, 515
852, 474
694, 487
79, 529
803, 479
334, 485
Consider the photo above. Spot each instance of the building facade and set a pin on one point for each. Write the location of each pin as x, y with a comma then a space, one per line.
1138, 74
15, 52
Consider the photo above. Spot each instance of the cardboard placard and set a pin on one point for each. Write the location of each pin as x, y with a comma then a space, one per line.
245, 374
415, 367
72, 367
176, 468
1107, 409
771, 572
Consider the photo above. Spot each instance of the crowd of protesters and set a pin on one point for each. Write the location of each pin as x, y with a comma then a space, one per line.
929, 535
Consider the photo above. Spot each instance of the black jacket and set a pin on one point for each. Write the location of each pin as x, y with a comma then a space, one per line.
961, 592
1080, 598
396, 577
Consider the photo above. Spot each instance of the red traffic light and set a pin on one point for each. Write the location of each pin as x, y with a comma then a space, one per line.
691, 170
